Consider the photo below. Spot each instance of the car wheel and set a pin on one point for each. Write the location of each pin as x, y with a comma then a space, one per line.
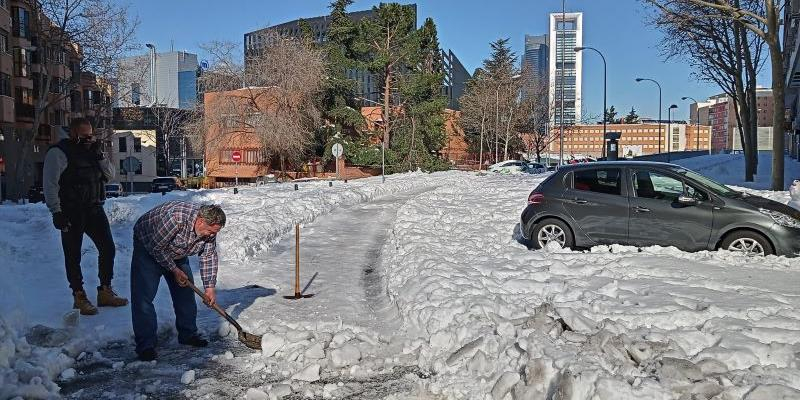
747, 242
551, 230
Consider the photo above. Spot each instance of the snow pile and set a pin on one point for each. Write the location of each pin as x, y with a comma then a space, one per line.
613, 323
36, 292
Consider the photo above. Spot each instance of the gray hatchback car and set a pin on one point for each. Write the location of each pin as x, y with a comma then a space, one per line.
647, 203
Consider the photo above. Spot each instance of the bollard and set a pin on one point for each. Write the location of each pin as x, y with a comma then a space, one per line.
330, 184
295, 186
345, 181
163, 193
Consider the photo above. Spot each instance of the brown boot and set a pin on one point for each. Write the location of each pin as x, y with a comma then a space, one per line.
107, 298
82, 303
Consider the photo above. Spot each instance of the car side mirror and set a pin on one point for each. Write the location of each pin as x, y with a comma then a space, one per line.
686, 200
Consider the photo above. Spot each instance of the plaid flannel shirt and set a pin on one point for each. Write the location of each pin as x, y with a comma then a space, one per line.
167, 233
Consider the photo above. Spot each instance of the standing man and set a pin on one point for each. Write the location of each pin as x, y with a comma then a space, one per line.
75, 173
163, 238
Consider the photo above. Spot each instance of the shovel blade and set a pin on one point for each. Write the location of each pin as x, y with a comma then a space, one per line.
250, 340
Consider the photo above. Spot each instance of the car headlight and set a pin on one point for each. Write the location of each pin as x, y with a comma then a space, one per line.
781, 218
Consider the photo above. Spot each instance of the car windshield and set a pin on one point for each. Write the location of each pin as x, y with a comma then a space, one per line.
712, 185
163, 180
112, 187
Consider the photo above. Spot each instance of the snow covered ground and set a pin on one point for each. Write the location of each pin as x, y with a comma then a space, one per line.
422, 289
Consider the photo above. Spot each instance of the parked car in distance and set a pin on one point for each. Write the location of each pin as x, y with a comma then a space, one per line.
114, 190
269, 178
166, 184
647, 203
509, 167
536, 168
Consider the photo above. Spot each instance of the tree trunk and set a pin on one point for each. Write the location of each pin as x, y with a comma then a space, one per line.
740, 102
508, 133
483, 129
779, 114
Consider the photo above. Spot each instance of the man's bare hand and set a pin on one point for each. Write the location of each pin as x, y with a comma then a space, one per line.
180, 277
211, 295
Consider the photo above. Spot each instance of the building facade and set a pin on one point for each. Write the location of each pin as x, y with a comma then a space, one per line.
636, 140
719, 112
24, 68
163, 148
535, 62
172, 83
566, 33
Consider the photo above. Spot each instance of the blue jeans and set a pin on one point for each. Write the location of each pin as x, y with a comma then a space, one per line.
146, 275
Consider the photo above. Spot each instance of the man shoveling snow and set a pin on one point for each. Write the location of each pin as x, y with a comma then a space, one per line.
163, 238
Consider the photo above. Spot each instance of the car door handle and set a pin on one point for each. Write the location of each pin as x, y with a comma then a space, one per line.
641, 209
580, 201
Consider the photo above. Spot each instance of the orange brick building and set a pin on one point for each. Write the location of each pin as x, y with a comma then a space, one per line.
636, 140
226, 132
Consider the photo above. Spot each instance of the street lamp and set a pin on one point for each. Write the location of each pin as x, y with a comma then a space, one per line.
605, 91
383, 146
659, 108
669, 132
697, 118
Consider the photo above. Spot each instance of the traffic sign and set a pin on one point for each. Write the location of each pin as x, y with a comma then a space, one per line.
337, 150
236, 156
131, 164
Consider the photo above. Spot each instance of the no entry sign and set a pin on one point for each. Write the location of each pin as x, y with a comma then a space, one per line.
236, 156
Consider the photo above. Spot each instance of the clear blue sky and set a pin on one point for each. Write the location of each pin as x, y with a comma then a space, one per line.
615, 27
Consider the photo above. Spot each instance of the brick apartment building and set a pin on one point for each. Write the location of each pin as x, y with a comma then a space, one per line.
636, 140
719, 113
74, 93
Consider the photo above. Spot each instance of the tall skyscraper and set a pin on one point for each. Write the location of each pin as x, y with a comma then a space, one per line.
565, 34
536, 62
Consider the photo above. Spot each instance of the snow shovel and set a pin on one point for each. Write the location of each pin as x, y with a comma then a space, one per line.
250, 340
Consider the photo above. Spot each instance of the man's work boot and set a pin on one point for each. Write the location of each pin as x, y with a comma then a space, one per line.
82, 303
196, 341
107, 298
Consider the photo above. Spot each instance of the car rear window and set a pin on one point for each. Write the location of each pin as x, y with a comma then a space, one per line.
601, 180
112, 187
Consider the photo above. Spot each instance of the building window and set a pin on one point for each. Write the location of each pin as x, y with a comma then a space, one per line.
136, 94
4, 41
5, 84
20, 20
123, 145
22, 62
137, 145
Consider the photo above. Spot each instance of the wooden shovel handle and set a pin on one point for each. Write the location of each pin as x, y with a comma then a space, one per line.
214, 306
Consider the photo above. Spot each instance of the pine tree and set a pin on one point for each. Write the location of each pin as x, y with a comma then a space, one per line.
632, 117
611, 115
339, 106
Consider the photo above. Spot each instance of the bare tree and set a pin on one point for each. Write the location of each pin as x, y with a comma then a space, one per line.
535, 114
721, 52
278, 106
765, 23
96, 33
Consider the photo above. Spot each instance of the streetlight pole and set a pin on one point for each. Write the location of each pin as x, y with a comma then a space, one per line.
605, 92
659, 108
697, 118
669, 132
